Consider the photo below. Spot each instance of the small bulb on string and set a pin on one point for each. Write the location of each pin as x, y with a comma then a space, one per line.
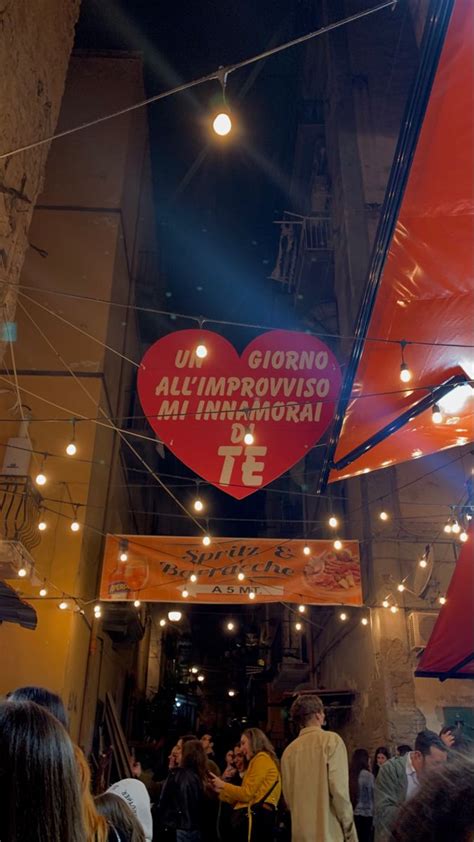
201, 678
231, 693
198, 505
337, 544
405, 372
386, 603
436, 415
230, 626
185, 593
423, 563
302, 609
42, 525
41, 478
222, 124
43, 591
137, 603
249, 437
252, 595
333, 522
71, 448
365, 621
343, 616
448, 528
123, 551
401, 587
442, 600
241, 576
463, 537
75, 525
298, 626
456, 529
162, 622
193, 578
63, 605
22, 572
194, 670
394, 609
206, 540
306, 550
201, 352
383, 516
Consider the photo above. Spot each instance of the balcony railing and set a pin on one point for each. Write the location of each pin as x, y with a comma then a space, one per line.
20, 505
298, 236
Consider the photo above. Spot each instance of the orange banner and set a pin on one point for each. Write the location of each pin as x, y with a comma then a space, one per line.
160, 568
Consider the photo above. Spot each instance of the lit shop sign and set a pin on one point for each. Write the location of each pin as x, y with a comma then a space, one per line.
231, 570
239, 422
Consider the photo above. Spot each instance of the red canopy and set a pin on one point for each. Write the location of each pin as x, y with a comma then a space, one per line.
450, 649
425, 292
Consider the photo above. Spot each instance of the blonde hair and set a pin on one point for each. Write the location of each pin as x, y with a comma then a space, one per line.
260, 742
97, 829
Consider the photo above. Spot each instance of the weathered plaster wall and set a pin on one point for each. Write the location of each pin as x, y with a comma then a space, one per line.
35, 43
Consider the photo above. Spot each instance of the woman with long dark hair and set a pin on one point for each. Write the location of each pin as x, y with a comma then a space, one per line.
255, 801
361, 788
381, 756
40, 796
182, 807
119, 816
44, 698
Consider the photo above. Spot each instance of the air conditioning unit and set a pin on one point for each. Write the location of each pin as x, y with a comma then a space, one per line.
420, 627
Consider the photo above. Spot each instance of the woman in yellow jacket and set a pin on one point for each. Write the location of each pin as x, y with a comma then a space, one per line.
256, 800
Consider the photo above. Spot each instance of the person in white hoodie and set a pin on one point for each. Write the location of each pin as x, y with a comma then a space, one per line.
135, 794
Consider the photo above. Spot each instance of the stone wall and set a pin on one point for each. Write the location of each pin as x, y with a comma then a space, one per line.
36, 38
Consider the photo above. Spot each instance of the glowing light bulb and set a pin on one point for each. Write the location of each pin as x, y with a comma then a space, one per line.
194, 670
63, 605
98, 614
137, 603
42, 525
365, 621
230, 626
96, 608
448, 528
343, 616
174, 616
442, 600
252, 595
71, 449
201, 678
383, 516
436, 415
405, 373
185, 593
162, 622
456, 528
298, 626
193, 578
201, 352
198, 505
222, 124
231, 693
401, 587
43, 592
423, 563
41, 478
386, 603
75, 526
241, 576
123, 556
249, 438
333, 522
302, 609
206, 540
22, 572
306, 550
463, 537
394, 609
337, 544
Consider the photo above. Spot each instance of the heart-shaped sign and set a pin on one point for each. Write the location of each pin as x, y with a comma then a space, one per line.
239, 422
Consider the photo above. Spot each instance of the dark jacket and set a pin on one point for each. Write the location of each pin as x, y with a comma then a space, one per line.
181, 801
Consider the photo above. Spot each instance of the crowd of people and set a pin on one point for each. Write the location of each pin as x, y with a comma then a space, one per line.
311, 794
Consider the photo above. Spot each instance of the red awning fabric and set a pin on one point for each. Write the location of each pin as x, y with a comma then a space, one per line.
450, 649
426, 288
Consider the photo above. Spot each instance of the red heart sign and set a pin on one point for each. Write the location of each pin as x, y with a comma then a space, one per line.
282, 392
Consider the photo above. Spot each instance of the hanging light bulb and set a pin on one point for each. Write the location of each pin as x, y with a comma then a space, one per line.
201, 352
302, 609
386, 603
42, 525
241, 576
456, 529
448, 528
306, 550
71, 448
193, 578
249, 437
343, 616
333, 522
75, 525
230, 626
394, 609
405, 373
423, 563
22, 572
206, 540
97, 608
401, 587
463, 536
365, 621
222, 124
43, 591
337, 544
41, 478
162, 622
231, 693
137, 603
298, 626
123, 550
436, 415
194, 670
185, 593
198, 505
383, 516
201, 677
442, 600
252, 595
63, 605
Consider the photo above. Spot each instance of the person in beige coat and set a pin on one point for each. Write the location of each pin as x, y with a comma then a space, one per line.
315, 776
